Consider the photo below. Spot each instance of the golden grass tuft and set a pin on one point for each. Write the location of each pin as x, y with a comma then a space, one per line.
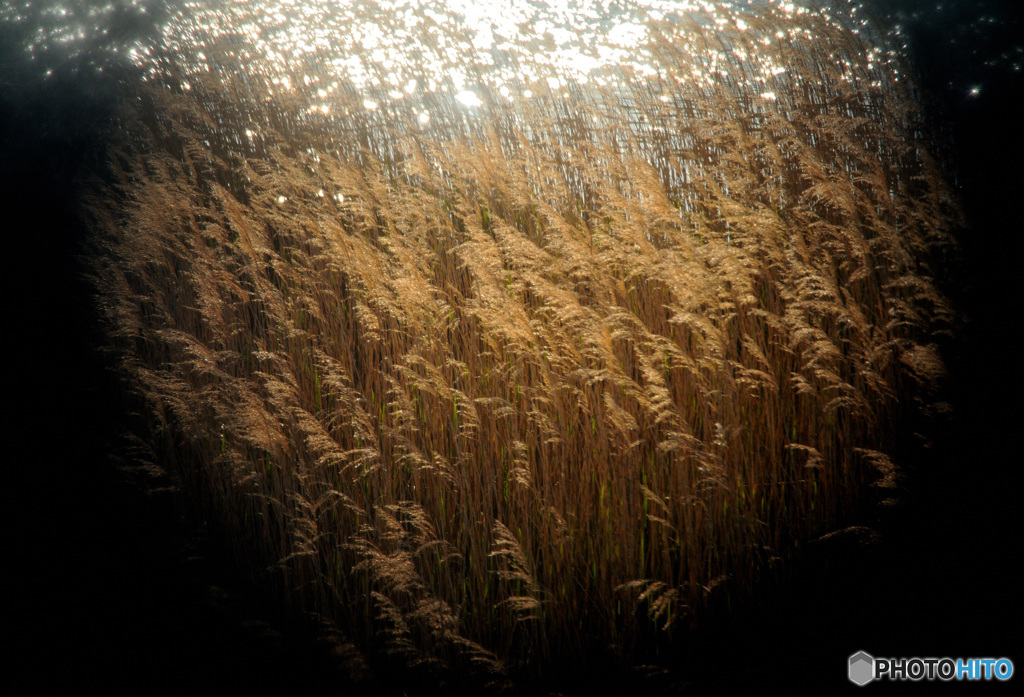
518, 386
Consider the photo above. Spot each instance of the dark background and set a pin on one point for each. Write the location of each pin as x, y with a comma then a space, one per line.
110, 585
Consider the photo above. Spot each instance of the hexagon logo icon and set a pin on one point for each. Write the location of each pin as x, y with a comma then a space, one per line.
862, 668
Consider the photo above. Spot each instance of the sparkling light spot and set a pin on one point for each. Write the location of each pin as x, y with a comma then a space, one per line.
468, 98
